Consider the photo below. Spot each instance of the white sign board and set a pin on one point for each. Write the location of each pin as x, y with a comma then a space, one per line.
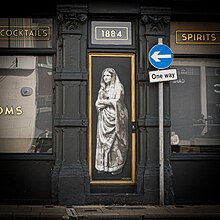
162, 75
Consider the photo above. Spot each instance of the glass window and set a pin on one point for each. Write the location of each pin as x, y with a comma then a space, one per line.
25, 32
195, 106
26, 104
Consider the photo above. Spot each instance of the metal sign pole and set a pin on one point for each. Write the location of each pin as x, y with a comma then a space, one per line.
161, 142
161, 57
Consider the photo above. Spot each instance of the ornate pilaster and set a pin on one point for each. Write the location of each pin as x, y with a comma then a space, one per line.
156, 22
70, 174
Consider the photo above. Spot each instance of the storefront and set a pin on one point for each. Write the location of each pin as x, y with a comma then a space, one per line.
79, 117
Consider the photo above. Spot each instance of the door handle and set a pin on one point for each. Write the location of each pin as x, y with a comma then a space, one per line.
133, 127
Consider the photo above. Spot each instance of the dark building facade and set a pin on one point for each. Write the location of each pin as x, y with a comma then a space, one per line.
70, 136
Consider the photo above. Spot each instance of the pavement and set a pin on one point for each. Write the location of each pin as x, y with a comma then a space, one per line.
114, 212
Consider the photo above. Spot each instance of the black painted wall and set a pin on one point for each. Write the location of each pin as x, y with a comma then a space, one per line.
70, 177
25, 181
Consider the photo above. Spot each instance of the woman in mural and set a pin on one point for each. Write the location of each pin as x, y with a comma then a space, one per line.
112, 126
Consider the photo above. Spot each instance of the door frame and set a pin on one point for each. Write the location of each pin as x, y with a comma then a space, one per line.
132, 180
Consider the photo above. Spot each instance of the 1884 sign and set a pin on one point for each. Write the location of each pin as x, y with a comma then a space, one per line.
111, 33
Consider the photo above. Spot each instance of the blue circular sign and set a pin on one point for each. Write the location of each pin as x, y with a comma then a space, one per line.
160, 56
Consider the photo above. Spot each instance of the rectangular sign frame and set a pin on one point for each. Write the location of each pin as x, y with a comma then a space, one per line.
205, 37
162, 75
111, 33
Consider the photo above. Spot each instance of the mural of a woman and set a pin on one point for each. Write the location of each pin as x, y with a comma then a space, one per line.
112, 125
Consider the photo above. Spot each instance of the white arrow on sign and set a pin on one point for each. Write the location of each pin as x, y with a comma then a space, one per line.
156, 56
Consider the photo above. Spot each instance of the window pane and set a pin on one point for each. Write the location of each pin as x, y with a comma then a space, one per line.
25, 33
195, 107
25, 104
213, 104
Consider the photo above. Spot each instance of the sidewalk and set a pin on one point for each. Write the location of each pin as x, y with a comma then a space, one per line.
28, 212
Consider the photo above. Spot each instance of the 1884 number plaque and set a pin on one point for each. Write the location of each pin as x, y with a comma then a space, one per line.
111, 33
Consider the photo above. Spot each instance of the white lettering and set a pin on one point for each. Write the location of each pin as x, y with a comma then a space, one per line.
182, 81
215, 90
11, 110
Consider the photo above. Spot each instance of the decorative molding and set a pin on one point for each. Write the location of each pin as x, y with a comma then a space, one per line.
70, 20
155, 23
155, 19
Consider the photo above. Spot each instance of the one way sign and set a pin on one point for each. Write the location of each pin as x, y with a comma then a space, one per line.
162, 75
160, 56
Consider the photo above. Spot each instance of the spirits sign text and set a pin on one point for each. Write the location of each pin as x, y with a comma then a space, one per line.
197, 37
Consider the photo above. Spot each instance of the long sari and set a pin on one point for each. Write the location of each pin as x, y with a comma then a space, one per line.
112, 129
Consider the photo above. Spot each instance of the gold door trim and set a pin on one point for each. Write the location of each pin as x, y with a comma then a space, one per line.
133, 119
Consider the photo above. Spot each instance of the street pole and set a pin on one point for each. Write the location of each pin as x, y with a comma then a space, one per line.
161, 57
161, 141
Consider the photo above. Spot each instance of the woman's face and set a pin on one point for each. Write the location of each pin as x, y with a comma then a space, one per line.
107, 77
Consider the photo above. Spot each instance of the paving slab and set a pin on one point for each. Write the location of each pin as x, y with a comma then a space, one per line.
144, 212
115, 212
32, 212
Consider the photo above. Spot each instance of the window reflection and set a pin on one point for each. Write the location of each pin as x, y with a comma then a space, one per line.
195, 107
25, 104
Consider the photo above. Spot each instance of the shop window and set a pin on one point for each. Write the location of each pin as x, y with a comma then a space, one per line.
195, 106
25, 104
26, 85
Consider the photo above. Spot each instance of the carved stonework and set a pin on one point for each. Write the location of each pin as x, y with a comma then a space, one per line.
71, 21
155, 24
